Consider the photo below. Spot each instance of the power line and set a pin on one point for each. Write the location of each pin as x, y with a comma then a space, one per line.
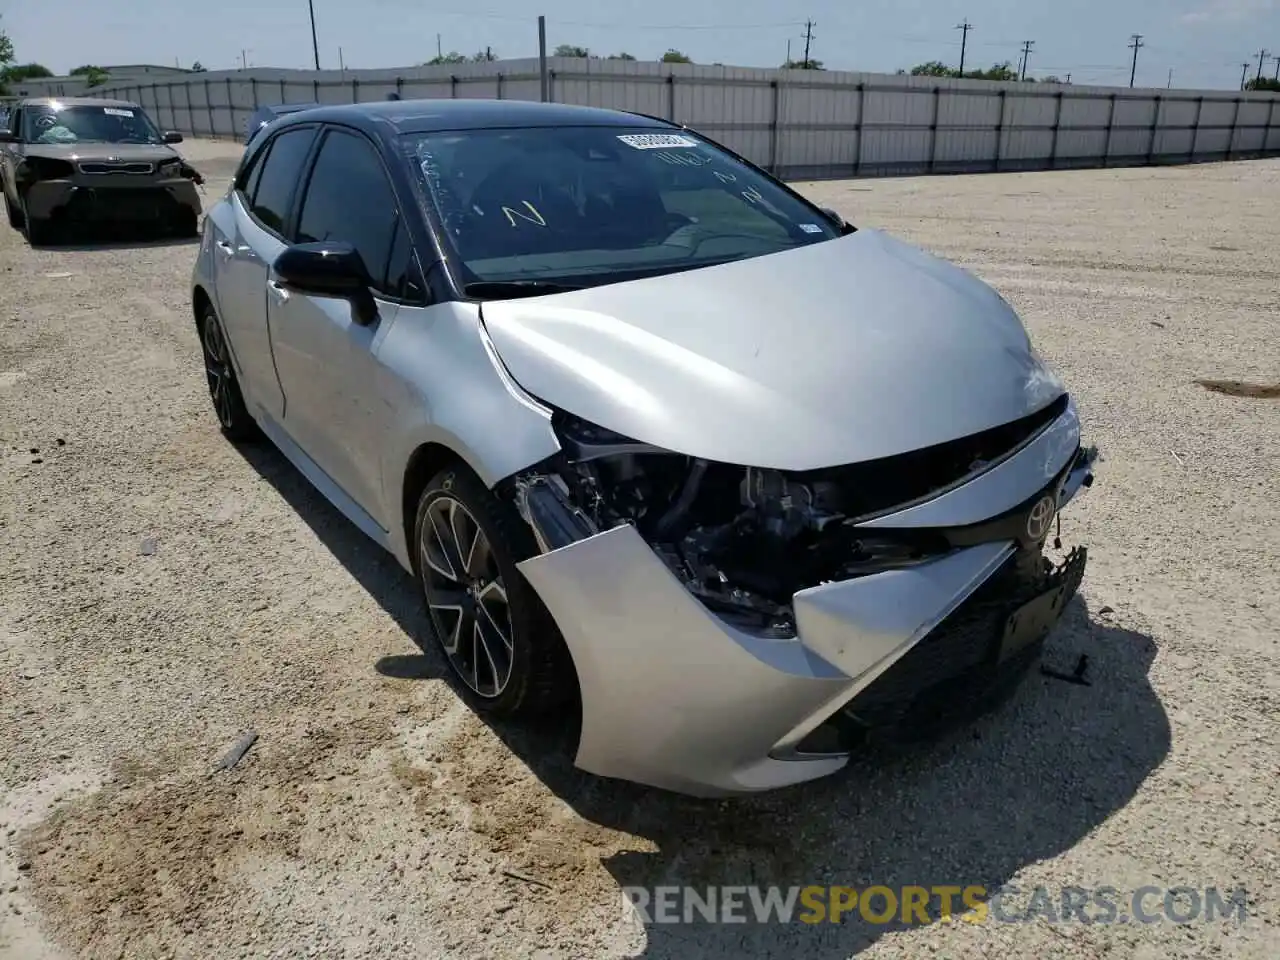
1026, 55
1135, 42
964, 29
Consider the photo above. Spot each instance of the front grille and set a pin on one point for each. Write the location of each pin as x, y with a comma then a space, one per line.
955, 672
135, 167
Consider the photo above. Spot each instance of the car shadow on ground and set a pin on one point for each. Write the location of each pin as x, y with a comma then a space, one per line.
1023, 784
85, 243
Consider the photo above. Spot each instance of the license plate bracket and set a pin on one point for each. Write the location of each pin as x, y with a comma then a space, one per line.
1032, 621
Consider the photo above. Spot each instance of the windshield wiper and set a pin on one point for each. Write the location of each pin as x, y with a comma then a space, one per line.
510, 289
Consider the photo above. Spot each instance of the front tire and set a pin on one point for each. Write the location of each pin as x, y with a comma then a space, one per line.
15, 217
496, 635
224, 388
39, 232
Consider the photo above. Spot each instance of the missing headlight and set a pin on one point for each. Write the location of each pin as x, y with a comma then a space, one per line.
742, 540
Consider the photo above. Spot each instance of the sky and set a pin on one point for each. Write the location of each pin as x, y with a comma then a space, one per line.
1204, 42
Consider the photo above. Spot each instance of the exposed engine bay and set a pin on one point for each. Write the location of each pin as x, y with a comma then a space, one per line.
743, 540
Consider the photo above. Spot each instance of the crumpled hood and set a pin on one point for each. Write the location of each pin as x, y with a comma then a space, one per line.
838, 352
152, 152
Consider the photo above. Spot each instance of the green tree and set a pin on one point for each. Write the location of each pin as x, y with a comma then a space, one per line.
6, 58
569, 50
934, 68
198, 67
1263, 83
453, 56
809, 64
621, 56
484, 56
27, 71
999, 71
93, 76
675, 56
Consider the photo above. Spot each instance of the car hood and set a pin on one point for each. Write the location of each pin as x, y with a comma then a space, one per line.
153, 152
837, 352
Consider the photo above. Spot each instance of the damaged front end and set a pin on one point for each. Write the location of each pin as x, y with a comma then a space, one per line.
823, 580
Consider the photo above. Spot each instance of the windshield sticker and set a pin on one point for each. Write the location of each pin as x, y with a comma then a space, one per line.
117, 112
725, 177
753, 195
810, 228
657, 141
536, 218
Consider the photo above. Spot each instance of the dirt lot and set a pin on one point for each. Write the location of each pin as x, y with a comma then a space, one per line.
161, 592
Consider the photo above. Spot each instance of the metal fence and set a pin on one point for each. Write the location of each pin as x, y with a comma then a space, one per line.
799, 124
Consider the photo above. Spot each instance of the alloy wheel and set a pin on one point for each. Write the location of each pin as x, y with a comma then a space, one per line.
217, 366
466, 597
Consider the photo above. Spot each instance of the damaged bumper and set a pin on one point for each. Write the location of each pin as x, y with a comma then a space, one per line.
73, 201
678, 697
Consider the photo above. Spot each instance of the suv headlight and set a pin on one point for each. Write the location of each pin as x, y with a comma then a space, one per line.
170, 168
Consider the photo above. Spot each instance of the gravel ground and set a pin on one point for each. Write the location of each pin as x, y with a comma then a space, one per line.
161, 592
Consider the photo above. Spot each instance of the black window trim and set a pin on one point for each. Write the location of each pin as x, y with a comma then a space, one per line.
263, 156
304, 184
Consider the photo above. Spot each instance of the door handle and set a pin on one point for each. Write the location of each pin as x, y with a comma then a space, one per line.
225, 248
277, 291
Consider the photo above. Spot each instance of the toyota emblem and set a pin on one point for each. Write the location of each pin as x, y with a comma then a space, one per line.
1040, 517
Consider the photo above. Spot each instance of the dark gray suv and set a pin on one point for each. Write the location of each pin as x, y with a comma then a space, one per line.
67, 162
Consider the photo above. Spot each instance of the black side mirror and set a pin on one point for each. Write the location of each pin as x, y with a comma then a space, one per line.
328, 269
833, 216
7, 137
172, 136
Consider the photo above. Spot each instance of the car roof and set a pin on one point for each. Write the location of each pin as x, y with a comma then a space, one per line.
77, 102
426, 116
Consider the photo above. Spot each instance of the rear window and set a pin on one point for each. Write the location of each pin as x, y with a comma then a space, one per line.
600, 204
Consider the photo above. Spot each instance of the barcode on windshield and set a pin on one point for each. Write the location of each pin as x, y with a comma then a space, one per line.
657, 141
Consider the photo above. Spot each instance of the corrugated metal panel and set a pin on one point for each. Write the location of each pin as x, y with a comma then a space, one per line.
810, 125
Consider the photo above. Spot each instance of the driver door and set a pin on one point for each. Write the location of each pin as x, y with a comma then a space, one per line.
336, 405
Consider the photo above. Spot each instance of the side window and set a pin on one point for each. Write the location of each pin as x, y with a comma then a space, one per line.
15, 123
349, 198
281, 171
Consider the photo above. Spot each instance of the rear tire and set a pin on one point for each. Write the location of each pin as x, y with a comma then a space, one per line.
224, 388
493, 630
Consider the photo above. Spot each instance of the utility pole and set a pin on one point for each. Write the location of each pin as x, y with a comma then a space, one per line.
315, 47
1068, 78
439, 51
788, 60
1136, 44
244, 61
1244, 74
808, 39
1171, 78
1277, 60
964, 29
1262, 55
1026, 55
342, 64
542, 57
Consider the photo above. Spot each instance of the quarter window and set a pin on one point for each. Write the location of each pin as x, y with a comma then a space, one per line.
281, 170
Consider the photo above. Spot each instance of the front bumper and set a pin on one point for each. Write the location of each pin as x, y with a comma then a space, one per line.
674, 697
105, 202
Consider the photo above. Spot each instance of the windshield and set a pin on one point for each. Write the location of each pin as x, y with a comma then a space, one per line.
591, 205
56, 123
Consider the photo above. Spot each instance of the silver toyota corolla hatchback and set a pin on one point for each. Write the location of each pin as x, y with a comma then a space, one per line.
659, 439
